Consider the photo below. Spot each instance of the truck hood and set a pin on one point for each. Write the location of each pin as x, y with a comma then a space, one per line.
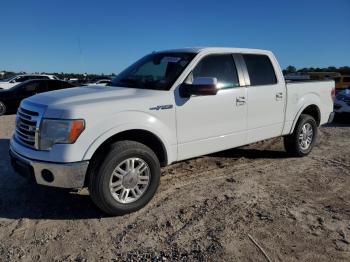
78, 101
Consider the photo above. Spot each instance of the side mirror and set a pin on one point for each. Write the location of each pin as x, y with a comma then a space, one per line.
12, 81
201, 86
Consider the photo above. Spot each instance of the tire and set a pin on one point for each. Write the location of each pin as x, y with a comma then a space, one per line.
113, 172
296, 143
2, 109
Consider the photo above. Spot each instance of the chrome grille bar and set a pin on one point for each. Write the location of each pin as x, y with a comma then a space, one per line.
27, 125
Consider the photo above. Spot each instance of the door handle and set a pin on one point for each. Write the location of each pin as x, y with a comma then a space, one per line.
240, 100
279, 96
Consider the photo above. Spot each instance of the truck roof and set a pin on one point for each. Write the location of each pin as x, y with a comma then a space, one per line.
217, 49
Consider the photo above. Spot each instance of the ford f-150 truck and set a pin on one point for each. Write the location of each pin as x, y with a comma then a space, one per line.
167, 107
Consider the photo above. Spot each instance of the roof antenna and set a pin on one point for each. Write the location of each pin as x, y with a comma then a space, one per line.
82, 62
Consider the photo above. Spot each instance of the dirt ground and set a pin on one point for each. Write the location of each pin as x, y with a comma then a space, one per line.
205, 209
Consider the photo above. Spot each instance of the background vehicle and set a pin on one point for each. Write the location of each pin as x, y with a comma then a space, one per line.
342, 82
297, 76
322, 75
11, 98
78, 82
168, 106
101, 82
21, 78
342, 102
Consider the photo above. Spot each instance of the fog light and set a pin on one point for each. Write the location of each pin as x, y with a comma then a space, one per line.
47, 176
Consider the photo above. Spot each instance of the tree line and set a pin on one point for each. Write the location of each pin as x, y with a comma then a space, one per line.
344, 70
8, 74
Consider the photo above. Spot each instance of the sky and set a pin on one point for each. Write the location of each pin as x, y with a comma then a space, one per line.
107, 36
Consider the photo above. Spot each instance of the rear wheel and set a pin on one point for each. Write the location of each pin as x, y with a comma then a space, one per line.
301, 142
2, 108
126, 180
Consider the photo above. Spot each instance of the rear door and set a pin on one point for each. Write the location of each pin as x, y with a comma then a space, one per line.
266, 98
207, 124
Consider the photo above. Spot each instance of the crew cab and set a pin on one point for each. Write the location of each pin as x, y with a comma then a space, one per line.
167, 107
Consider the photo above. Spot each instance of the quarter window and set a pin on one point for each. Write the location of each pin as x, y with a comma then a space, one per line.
260, 70
221, 67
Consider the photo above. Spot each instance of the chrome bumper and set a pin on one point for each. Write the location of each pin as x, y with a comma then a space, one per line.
65, 175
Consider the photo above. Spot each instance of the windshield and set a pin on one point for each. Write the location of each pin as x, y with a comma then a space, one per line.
156, 71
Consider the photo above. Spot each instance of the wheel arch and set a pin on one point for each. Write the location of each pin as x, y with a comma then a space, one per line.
143, 136
311, 110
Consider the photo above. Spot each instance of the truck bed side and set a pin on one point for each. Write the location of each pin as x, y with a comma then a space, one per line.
301, 95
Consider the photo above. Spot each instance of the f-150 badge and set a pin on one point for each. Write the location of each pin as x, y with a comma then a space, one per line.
161, 107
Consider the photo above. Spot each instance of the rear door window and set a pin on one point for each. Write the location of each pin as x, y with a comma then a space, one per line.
260, 69
54, 85
42, 86
30, 88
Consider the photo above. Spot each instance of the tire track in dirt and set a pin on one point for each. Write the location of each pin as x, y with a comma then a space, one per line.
296, 208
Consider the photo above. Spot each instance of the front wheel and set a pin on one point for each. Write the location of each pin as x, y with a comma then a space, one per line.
126, 180
301, 142
2, 108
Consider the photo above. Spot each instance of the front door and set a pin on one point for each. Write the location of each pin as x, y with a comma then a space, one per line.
207, 124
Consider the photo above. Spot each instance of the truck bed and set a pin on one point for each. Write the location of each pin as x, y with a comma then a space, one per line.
298, 92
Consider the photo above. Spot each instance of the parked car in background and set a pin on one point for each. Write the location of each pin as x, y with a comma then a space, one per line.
77, 81
101, 82
342, 82
8, 83
11, 98
297, 76
322, 75
167, 107
342, 102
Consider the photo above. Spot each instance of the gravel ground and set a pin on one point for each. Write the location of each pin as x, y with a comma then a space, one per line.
205, 209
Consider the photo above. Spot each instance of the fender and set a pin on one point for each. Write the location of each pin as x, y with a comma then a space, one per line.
305, 101
141, 121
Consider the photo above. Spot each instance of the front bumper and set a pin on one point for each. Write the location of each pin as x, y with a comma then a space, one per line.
65, 175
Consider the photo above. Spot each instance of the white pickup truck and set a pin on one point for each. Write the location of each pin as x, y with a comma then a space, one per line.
166, 107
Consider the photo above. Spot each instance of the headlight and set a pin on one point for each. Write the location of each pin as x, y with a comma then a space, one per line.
54, 131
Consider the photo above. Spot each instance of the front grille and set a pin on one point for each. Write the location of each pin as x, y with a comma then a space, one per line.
27, 123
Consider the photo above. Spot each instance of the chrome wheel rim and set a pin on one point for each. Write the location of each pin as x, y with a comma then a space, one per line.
2, 108
130, 180
305, 137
